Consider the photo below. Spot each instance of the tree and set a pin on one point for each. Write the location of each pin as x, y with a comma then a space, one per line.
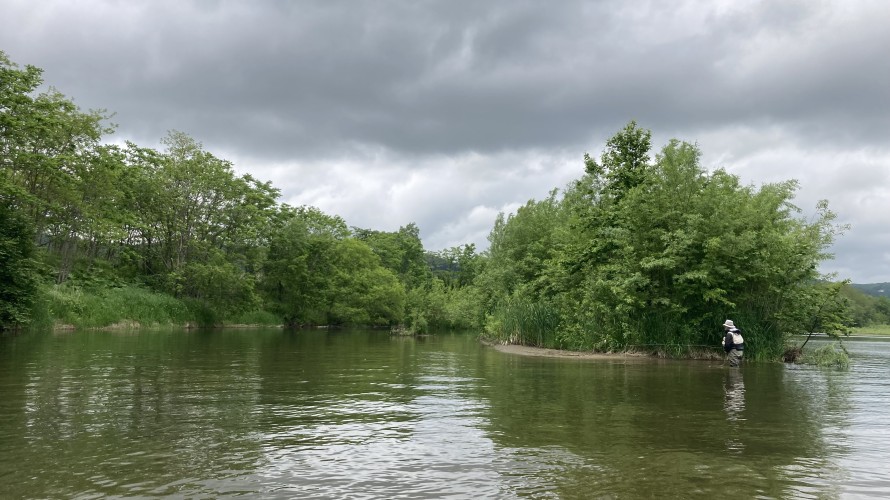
401, 252
522, 247
316, 274
192, 217
642, 254
19, 278
363, 291
294, 273
625, 161
456, 266
47, 152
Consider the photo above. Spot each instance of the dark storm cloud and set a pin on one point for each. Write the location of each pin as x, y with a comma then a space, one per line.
292, 78
351, 105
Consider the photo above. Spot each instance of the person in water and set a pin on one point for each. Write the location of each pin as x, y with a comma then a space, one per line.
733, 343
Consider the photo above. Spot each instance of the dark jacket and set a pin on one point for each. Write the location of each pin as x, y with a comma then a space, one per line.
728, 343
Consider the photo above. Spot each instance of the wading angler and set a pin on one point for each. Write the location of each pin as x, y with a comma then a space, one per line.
733, 343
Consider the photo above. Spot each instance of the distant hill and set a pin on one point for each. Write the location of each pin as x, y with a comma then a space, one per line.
876, 289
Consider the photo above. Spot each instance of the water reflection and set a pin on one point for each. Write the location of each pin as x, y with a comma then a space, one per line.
360, 414
734, 399
734, 405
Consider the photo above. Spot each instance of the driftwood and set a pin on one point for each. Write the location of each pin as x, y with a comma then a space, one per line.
792, 354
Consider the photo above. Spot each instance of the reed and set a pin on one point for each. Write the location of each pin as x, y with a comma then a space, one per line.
525, 323
763, 341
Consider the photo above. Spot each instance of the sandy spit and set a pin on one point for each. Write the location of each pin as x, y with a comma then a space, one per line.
523, 350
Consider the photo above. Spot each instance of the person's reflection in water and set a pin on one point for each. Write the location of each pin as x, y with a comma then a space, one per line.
734, 405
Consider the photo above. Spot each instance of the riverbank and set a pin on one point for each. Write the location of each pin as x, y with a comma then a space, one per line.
66, 308
874, 330
134, 325
524, 350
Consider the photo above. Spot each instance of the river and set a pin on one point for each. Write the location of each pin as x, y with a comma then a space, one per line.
359, 414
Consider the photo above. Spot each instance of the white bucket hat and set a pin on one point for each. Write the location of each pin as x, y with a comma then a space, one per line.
729, 324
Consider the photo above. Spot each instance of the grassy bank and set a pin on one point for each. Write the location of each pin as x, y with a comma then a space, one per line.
871, 330
132, 306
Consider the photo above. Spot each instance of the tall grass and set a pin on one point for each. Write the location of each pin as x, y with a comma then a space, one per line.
258, 317
832, 355
96, 308
871, 330
525, 323
763, 342
664, 335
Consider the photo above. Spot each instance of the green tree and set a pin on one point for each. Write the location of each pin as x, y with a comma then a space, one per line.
297, 272
47, 148
866, 310
192, 219
363, 292
401, 252
683, 249
653, 255
625, 161
456, 266
316, 274
19, 277
522, 247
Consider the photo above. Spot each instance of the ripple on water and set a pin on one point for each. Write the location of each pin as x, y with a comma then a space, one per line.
292, 416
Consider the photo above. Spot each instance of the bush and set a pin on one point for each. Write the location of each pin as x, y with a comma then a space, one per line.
257, 317
18, 270
832, 355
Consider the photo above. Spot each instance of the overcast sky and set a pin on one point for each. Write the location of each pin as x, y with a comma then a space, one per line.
446, 113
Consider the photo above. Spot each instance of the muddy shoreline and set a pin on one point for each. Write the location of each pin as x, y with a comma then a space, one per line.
523, 350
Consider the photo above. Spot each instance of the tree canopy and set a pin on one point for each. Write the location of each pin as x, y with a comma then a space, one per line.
656, 254
644, 250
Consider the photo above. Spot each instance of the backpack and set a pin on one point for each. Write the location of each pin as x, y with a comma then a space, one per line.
737, 337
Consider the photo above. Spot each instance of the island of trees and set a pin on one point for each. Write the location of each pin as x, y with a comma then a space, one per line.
645, 250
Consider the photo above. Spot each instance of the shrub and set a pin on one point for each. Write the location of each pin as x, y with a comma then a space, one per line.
832, 355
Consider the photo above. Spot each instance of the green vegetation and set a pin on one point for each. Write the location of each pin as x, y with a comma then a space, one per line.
866, 309
832, 355
645, 251
93, 235
91, 308
874, 289
19, 278
654, 255
871, 330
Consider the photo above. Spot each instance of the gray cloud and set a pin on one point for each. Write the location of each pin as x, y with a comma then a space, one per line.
445, 113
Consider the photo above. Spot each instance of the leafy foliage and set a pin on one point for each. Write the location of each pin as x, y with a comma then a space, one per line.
866, 308
655, 255
98, 307
19, 277
638, 253
832, 355
316, 274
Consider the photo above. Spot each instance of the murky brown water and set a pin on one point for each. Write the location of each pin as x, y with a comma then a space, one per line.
357, 414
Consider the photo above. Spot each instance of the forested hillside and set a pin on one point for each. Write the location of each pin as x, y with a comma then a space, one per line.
876, 289
868, 305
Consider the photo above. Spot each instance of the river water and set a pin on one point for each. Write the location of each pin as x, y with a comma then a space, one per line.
360, 414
